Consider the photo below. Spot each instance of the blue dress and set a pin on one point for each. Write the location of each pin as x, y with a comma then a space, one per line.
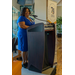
22, 34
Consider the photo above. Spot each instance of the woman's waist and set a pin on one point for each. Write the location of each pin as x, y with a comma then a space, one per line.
22, 31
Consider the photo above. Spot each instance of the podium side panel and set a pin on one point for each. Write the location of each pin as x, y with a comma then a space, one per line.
50, 46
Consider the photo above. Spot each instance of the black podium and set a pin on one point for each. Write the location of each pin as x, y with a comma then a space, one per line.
41, 47
49, 47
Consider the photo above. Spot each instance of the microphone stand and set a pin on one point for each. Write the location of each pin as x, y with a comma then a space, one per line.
39, 19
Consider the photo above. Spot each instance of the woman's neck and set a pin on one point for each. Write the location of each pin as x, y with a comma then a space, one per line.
27, 16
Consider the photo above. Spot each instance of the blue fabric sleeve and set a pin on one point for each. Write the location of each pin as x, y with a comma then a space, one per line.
20, 19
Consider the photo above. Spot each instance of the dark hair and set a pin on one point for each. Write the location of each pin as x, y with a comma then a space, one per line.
24, 10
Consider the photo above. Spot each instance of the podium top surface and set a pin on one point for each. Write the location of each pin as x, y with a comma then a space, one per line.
35, 25
40, 27
49, 27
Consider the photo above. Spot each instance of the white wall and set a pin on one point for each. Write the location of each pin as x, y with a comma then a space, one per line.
59, 11
14, 3
40, 10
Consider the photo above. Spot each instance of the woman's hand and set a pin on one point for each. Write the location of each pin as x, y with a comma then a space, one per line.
22, 25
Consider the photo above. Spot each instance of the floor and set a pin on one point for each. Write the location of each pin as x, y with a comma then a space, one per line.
57, 60
59, 57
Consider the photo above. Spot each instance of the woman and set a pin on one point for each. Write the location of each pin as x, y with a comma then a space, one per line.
24, 21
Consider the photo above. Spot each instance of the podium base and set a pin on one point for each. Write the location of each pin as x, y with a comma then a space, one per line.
50, 71
32, 68
47, 71
46, 68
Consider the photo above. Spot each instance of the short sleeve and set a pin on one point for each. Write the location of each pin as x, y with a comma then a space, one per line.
20, 19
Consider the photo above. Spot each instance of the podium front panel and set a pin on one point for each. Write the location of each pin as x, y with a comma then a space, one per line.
36, 44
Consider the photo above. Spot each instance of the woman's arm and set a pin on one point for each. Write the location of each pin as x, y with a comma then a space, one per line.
22, 25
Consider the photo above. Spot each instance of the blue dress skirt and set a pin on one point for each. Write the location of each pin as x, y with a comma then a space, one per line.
22, 34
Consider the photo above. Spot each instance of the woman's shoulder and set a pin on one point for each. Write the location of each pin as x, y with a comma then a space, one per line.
21, 18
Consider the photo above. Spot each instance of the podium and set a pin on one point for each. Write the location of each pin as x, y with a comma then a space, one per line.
41, 48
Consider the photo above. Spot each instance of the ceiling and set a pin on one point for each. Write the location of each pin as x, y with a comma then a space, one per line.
59, 2
29, 2
56, 1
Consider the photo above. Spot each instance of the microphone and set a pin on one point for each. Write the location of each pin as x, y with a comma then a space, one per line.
39, 19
